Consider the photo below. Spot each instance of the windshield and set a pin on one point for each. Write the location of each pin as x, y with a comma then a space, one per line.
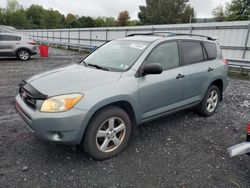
117, 55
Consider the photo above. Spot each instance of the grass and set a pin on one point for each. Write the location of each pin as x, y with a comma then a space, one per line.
238, 75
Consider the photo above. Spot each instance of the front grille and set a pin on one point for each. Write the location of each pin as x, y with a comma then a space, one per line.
27, 98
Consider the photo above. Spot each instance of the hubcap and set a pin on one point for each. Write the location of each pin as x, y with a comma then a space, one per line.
212, 101
24, 55
110, 134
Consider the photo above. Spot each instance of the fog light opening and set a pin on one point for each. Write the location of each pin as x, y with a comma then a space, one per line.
58, 136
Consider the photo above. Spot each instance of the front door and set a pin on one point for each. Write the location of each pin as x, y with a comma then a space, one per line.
163, 92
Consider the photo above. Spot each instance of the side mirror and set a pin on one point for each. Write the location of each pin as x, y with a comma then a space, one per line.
152, 68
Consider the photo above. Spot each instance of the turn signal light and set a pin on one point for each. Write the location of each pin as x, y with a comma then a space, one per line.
225, 61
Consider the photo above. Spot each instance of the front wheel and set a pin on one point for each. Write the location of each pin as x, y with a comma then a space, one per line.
107, 134
210, 102
23, 55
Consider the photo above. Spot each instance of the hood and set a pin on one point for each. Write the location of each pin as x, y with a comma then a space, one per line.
71, 79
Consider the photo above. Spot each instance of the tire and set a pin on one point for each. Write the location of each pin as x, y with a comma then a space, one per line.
23, 55
107, 133
208, 107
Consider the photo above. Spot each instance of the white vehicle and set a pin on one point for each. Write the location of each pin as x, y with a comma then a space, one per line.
242, 148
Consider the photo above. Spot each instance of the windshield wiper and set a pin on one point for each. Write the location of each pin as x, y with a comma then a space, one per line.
86, 64
98, 67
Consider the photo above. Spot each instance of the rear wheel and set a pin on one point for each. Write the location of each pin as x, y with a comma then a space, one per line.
210, 102
23, 55
107, 133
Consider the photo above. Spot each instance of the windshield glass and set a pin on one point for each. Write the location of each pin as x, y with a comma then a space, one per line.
117, 55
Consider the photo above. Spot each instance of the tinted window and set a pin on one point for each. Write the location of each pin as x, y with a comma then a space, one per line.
192, 52
166, 54
210, 49
9, 38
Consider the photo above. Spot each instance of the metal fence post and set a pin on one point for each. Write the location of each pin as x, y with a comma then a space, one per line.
190, 30
79, 47
53, 35
48, 37
106, 35
246, 41
126, 32
42, 36
90, 37
68, 39
60, 35
153, 29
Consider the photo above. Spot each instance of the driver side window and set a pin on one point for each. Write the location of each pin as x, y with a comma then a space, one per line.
166, 54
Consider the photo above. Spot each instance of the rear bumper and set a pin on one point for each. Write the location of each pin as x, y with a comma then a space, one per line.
33, 53
66, 128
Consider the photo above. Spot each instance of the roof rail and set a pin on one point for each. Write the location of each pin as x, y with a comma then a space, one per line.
135, 34
172, 34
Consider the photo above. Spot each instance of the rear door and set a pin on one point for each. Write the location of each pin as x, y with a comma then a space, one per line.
198, 70
8, 44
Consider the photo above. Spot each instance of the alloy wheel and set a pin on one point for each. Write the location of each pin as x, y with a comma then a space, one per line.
212, 101
110, 134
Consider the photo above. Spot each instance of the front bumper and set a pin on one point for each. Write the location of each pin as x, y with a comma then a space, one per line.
66, 127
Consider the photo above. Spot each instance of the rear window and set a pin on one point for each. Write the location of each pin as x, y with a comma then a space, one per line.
9, 38
210, 49
192, 52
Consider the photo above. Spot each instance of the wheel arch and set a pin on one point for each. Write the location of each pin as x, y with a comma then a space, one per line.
219, 83
22, 48
123, 104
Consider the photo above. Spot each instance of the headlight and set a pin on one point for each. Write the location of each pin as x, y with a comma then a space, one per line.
61, 103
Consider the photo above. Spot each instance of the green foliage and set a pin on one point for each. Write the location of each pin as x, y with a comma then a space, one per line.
18, 19
36, 17
166, 12
34, 14
219, 13
52, 19
235, 10
72, 21
86, 22
238, 10
12, 6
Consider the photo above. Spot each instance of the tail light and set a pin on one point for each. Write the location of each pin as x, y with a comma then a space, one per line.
248, 128
225, 61
32, 43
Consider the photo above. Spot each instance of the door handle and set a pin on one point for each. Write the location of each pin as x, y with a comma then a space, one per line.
210, 69
180, 76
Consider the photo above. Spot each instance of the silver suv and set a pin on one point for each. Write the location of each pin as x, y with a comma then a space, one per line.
16, 45
124, 83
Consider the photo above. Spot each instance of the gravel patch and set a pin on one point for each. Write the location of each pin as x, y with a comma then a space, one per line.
181, 150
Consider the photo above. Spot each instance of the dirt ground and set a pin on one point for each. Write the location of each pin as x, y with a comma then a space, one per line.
181, 150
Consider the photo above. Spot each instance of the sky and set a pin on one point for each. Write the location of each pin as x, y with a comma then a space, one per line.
97, 8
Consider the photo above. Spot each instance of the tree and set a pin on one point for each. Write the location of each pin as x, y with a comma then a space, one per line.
72, 21
188, 14
235, 10
165, 12
123, 18
238, 10
52, 19
110, 22
86, 21
12, 6
34, 14
2, 15
219, 13
99, 22
17, 19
